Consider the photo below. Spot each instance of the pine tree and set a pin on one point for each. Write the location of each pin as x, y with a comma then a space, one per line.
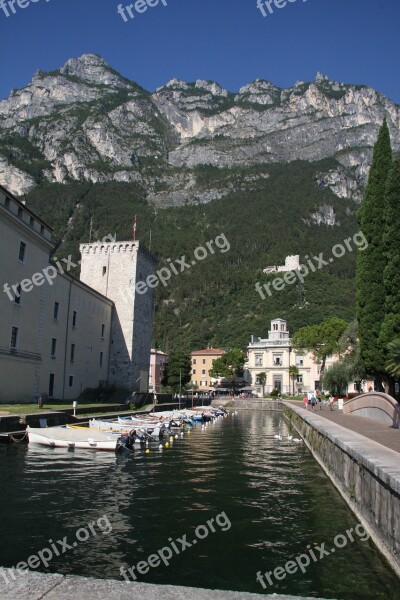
371, 261
390, 329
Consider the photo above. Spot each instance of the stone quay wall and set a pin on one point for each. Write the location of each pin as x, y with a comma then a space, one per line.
366, 474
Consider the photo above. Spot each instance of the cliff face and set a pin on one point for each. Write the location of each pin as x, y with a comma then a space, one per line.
85, 122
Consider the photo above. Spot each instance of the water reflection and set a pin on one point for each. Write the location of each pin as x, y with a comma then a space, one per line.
274, 493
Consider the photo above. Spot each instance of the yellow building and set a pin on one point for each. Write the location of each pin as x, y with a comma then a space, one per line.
202, 362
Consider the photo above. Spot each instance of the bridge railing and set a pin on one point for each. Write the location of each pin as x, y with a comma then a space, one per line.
375, 405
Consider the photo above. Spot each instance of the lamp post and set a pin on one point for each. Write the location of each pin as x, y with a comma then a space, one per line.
180, 387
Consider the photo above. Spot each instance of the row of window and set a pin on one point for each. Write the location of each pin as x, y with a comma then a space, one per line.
53, 352
72, 351
203, 372
52, 380
21, 214
194, 361
203, 383
277, 360
299, 379
56, 311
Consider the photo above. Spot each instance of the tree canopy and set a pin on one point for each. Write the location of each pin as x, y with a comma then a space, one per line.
371, 261
393, 364
390, 328
177, 371
322, 340
230, 365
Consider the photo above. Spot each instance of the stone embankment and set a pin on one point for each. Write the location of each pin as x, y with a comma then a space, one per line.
366, 473
248, 403
37, 586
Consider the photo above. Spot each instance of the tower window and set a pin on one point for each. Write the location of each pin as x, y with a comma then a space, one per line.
71, 381
17, 294
56, 311
22, 252
103, 327
101, 359
14, 338
74, 318
72, 355
104, 271
53, 347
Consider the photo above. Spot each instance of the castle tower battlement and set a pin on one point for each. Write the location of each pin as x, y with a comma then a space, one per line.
114, 269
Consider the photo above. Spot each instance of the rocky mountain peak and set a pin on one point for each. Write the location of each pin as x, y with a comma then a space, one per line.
86, 122
321, 77
92, 68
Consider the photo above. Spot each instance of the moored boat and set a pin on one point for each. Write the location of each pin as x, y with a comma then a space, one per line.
61, 437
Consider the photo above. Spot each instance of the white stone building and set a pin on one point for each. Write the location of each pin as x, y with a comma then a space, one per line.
62, 335
292, 263
273, 356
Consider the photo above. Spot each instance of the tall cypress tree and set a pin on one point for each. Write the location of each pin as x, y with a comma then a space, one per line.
371, 261
391, 245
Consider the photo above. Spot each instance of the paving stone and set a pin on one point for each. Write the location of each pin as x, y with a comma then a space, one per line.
38, 586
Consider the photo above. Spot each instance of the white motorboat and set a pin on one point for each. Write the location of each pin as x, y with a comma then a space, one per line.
155, 430
61, 437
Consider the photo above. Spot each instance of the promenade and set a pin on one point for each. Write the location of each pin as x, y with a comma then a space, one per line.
39, 586
371, 429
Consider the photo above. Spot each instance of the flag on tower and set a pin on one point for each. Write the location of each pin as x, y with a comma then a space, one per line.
134, 228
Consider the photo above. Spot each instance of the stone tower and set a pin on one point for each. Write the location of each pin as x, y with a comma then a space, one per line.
114, 269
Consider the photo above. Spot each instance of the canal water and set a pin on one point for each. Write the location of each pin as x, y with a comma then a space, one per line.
269, 499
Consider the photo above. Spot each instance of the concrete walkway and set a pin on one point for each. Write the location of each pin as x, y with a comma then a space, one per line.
35, 586
371, 429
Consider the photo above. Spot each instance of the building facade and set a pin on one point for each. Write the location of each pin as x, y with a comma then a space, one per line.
60, 335
292, 263
273, 356
202, 362
158, 360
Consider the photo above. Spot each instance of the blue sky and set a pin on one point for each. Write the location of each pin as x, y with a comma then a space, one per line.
229, 41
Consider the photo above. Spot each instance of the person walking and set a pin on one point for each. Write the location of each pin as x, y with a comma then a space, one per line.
305, 400
313, 402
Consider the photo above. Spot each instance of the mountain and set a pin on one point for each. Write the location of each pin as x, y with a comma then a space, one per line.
276, 171
86, 122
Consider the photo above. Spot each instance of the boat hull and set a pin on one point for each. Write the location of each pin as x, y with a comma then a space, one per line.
67, 438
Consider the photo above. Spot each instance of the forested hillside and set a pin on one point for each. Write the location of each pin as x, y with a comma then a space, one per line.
215, 302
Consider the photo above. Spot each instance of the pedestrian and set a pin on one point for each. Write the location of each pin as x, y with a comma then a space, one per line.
305, 400
331, 401
313, 402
